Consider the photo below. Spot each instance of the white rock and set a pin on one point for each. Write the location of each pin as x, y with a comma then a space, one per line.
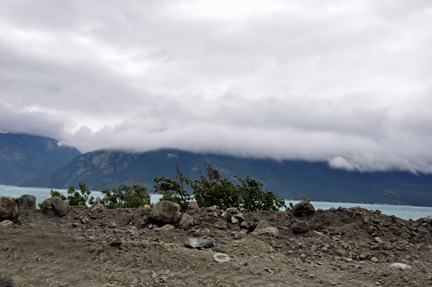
400, 266
6, 223
221, 257
272, 231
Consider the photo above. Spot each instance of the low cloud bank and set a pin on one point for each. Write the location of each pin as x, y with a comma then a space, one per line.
319, 81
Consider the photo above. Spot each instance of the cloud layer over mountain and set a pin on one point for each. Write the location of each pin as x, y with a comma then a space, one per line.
348, 82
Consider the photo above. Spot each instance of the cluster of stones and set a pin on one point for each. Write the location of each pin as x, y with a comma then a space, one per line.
10, 208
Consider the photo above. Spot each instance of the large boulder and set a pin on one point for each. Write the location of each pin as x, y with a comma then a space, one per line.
186, 222
8, 209
193, 208
300, 227
303, 208
55, 206
165, 212
26, 202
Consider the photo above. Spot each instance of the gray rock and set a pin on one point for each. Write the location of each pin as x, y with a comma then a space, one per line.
234, 220
167, 227
8, 209
147, 208
235, 267
220, 224
6, 223
379, 240
374, 259
213, 211
240, 217
116, 242
341, 252
165, 212
213, 208
303, 208
229, 213
400, 266
422, 247
199, 243
112, 225
272, 231
245, 224
428, 220
221, 257
55, 206
193, 208
262, 224
300, 227
422, 235
320, 234
232, 210
186, 222
363, 256
26, 202
98, 208
238, 235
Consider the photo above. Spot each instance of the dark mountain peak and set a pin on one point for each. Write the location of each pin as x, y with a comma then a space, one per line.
24, 155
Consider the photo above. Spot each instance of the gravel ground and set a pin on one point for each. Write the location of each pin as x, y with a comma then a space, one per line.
124, 247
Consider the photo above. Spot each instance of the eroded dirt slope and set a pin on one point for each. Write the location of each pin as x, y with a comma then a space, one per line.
124, 247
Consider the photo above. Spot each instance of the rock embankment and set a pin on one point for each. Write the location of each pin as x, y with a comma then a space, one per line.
61, 245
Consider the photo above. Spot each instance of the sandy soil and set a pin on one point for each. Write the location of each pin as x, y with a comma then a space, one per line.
337, 247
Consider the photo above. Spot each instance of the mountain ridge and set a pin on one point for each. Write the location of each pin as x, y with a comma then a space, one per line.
23, 156
287, 179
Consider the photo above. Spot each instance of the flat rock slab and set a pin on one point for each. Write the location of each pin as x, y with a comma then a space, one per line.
200, 243
221, 257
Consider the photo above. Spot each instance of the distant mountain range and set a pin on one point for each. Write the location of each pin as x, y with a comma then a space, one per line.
288, 179
23, 156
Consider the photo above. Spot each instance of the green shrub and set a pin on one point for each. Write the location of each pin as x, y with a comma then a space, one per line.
212, 189
173, 190
125, 196
253, 198
76, 198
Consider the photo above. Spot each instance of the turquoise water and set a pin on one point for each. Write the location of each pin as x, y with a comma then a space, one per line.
401, 211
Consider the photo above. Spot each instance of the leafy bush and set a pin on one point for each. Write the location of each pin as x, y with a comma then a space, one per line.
173, 190
125, 196
212, 189
74, 197
254, 198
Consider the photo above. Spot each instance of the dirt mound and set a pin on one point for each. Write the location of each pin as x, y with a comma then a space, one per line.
126, 247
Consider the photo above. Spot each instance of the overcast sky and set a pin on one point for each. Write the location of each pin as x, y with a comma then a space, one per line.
348, 82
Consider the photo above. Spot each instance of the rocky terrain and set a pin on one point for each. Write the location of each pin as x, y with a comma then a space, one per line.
59, 245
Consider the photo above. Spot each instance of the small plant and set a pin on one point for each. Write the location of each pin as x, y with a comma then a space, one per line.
76, 198
254, 198
173, 190
125, 196
214, 190
304, 198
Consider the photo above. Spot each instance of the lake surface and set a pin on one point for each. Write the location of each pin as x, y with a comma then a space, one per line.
401, 211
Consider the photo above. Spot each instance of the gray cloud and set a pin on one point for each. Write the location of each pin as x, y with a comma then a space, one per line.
344, 82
